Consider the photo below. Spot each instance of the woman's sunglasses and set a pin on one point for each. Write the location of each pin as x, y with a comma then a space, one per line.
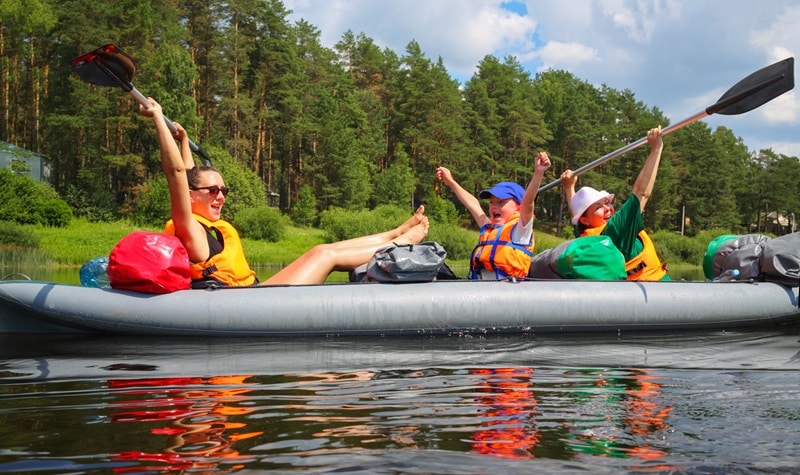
213, 190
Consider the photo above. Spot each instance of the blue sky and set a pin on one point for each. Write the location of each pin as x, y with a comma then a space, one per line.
677, 55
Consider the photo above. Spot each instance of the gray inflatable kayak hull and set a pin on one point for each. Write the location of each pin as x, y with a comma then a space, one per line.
443, 307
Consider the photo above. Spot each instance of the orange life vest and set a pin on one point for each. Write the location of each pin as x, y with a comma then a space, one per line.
496, 252
644, 266
229, 266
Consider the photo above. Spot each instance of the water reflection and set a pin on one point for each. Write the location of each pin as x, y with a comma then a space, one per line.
197, 413
506, 398
414, 405
620, 414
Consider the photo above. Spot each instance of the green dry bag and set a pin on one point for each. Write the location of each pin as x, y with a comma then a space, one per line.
591, 257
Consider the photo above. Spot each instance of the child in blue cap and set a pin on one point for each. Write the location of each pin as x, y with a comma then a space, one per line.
505, 245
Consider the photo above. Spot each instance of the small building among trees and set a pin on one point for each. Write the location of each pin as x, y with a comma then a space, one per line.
22, 161
778, 223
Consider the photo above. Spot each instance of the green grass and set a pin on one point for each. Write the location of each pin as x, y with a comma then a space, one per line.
81, 240
278, 254
75, 244
18, 257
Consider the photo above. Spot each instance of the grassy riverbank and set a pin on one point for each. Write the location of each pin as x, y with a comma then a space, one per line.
72, 246
75, 244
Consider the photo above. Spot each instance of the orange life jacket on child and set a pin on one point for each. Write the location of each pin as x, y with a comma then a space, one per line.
496, 252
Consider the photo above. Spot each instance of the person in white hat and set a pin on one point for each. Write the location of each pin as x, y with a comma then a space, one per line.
593, 214
505, 245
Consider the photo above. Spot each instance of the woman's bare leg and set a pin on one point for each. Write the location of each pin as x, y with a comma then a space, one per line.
314, 266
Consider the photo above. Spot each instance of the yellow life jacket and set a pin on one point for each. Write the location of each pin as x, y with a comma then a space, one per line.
644, 266
496, 252
229, 266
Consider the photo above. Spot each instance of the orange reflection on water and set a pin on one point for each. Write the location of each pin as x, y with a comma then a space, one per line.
510, 407
645, 415
198, 431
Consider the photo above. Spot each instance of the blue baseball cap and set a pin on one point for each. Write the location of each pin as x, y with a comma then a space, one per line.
504, 190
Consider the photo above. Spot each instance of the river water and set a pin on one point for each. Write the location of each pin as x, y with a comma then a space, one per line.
711, 402
717, 402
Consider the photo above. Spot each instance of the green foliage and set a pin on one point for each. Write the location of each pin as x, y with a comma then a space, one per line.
711, 169
17, 236
247, 191
706, 236
261, 223
16, 192
81, 240
357, 124
457, 241
19, 167
89, 196
544, 241
673, 247
395, 185
278, 254
340, 224
55, 212
305, 209
506, 122
25, 201
154, 204
440, 210
567, 232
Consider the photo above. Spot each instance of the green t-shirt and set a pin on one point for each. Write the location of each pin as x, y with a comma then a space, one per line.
624, 227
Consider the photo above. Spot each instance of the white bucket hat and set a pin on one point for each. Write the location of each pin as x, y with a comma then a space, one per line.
584, 198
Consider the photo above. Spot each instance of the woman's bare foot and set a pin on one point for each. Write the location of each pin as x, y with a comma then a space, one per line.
416, 234
417, 218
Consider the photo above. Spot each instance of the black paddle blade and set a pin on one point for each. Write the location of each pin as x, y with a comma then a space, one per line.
756, 89
106, 66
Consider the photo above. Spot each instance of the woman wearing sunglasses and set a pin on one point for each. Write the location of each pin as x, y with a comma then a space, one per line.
197, 195
593, 214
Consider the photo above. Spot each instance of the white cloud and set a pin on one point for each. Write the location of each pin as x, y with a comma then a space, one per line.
779, 40
467, 36
640, 18
782, 110
462, 32
565, 55
790, 149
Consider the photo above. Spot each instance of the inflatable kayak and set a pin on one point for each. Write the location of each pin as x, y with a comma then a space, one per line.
440, 307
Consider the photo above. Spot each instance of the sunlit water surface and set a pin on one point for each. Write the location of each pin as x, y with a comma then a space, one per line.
688, 403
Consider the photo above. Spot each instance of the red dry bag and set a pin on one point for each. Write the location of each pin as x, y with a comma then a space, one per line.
153, 263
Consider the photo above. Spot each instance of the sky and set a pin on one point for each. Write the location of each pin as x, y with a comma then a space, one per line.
680, 56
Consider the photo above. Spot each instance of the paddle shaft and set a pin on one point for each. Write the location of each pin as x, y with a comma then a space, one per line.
627, 148
128, 87
143, 101
712, 109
